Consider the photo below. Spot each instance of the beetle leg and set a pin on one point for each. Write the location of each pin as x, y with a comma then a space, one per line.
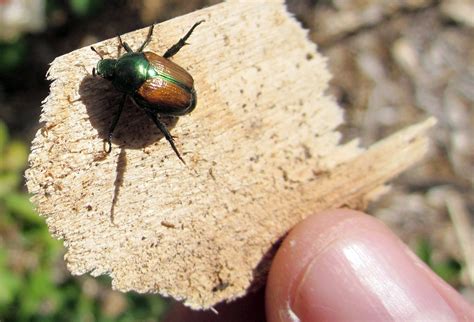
176, 47
114, 124
125, 45
166, 133
147, 40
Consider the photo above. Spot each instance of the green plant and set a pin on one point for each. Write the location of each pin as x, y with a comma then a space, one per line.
12, 54
448, 269
34, 284
27, 252
82, 8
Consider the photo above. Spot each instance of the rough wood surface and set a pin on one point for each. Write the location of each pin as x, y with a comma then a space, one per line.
261, 148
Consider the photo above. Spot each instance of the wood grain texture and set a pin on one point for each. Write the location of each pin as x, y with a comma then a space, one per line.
261, 147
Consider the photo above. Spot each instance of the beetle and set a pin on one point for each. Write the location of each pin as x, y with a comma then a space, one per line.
153, 82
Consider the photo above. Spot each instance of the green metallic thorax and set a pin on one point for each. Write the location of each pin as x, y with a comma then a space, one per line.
131, 71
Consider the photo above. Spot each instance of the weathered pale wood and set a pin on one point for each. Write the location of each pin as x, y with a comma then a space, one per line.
261, 148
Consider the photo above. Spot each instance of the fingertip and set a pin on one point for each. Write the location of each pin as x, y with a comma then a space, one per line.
293, 256
343, 264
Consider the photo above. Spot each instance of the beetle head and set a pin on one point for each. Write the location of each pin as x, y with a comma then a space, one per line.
106, 68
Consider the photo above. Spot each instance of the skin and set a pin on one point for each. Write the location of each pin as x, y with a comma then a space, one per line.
343, 265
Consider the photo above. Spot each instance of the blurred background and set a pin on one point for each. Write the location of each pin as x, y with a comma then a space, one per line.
395, 62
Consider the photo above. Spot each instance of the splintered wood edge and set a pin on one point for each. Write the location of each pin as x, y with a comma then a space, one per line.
261, 147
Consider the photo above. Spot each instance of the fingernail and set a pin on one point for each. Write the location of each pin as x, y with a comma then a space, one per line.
366, 276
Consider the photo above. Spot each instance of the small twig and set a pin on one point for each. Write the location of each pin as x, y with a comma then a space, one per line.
460, 217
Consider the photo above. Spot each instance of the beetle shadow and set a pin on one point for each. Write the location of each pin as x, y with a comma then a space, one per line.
135, 130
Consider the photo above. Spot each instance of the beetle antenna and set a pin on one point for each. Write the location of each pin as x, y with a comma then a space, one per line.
94, 50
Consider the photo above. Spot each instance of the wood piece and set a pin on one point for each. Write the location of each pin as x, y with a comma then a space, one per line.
261, 148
